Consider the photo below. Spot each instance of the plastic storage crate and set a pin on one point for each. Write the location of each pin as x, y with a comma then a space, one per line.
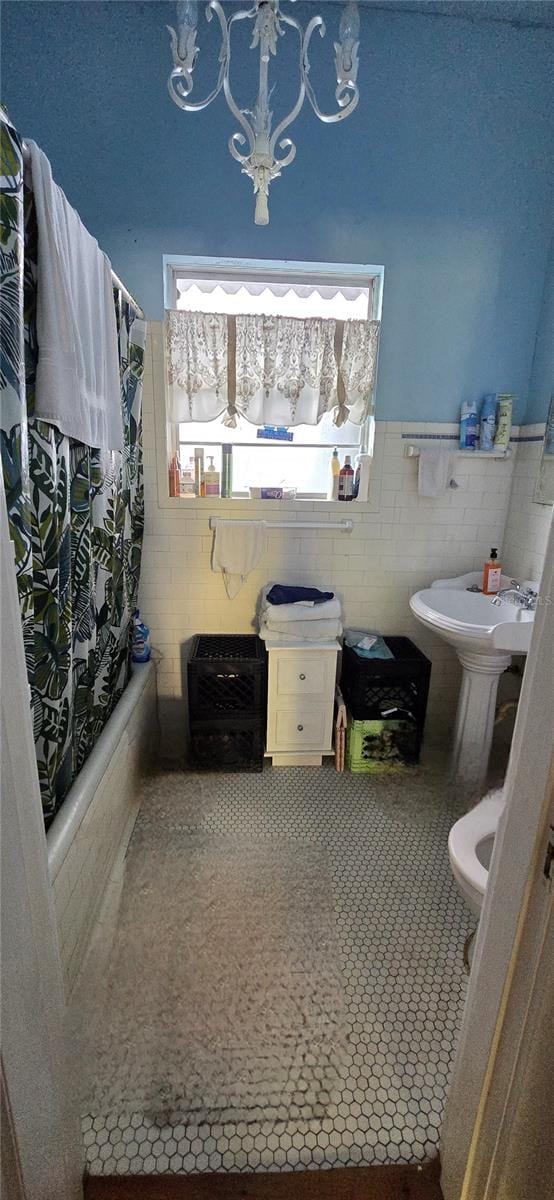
372, 685
227, 676
228, 745
227, 702
381, 747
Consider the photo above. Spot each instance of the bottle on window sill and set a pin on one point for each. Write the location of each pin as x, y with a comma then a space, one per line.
333, 492
346, 481
361, 477
211, 479
174, 477
187, 481
199, 470
227, 471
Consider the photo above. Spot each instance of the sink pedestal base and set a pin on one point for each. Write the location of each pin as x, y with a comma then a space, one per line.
475, 716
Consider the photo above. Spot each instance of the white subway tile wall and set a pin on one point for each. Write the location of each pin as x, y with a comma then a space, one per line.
527, 523
400, 543
80, 884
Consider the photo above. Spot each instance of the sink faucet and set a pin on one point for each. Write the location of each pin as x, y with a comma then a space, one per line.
524, 597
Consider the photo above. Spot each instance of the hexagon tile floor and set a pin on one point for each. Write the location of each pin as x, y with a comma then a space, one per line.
401, 927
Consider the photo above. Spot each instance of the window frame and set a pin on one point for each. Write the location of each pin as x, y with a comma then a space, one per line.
181, 266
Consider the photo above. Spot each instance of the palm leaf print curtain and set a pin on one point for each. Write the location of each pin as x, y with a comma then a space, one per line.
76, 515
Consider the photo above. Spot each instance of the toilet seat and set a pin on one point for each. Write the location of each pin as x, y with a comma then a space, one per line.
465, 836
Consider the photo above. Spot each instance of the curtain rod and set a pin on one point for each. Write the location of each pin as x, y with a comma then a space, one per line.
115, 278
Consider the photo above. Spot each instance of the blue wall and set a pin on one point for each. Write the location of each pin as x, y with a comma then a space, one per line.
442, 175
541, 387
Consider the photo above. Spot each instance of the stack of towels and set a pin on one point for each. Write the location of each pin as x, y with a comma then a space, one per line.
299, 614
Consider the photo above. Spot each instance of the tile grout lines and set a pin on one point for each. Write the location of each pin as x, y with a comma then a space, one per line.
401, 927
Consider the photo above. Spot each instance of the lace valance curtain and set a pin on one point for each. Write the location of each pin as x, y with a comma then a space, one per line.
269, 370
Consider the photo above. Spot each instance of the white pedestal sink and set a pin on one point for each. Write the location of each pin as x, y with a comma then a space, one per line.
484, 636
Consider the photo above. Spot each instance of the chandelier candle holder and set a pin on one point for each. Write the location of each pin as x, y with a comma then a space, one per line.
256, 145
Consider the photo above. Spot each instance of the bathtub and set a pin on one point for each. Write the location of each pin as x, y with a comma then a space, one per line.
92, 829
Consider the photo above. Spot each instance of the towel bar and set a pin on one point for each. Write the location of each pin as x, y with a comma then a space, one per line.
343, 526
412, 450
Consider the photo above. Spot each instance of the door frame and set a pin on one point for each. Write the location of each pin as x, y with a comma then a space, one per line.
508, 960
43, 1137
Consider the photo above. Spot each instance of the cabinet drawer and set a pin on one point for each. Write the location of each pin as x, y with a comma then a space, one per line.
309, 674
292, 729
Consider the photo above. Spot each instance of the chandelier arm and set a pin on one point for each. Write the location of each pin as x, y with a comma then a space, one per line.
279, 163
242, 14
238, 139
288, 120
346, 103
180, 82
231, 103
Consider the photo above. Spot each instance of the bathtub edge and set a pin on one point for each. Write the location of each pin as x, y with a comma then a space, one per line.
68, 820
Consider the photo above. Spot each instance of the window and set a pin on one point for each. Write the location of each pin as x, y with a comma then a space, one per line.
296, 458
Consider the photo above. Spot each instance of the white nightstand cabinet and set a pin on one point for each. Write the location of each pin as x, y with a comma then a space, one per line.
301, 692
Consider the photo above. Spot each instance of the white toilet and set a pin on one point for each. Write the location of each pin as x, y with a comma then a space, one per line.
470, 846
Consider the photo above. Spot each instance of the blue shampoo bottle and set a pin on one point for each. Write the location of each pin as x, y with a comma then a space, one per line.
488, 421
468, 425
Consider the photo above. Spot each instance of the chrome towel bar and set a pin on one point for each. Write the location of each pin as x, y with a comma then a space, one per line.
342, 526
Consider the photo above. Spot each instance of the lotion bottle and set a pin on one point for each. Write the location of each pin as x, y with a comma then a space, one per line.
211, 479
492, 574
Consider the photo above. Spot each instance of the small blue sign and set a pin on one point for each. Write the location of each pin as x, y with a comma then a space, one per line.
276, 433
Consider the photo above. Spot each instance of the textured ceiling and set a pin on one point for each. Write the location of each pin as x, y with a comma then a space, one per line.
523, 13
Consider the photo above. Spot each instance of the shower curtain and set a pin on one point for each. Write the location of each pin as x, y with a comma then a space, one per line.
76, 515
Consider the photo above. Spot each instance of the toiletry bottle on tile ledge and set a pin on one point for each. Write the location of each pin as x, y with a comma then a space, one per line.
469, 426
346, 481
492, 574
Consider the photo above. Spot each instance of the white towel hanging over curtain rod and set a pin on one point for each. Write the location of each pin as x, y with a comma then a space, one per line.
343, 526
115, 278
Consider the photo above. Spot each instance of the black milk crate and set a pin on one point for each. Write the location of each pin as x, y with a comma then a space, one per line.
372, 685
228, 745
227, 676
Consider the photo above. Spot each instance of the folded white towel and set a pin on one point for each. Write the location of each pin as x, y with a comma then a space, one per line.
78, 386
303, 631
238, 547
435, 470
328, 610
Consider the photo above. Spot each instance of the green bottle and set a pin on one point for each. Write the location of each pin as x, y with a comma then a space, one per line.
226, 471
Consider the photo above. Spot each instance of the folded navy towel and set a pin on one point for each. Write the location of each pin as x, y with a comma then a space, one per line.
281, 594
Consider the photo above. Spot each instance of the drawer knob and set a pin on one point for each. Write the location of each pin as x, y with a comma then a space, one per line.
300, 728
302, 676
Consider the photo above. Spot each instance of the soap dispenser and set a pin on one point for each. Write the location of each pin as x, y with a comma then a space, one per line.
211, 479
492, 574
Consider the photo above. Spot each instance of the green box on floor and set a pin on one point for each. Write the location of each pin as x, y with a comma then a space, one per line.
380, 747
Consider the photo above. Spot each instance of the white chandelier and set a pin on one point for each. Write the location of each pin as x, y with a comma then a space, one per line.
254, 146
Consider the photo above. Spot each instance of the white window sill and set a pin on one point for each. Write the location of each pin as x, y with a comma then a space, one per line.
243, 504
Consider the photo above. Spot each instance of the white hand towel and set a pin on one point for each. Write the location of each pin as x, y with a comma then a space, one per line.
238, 547
435, 470
303, 631
78, 386
327, 610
